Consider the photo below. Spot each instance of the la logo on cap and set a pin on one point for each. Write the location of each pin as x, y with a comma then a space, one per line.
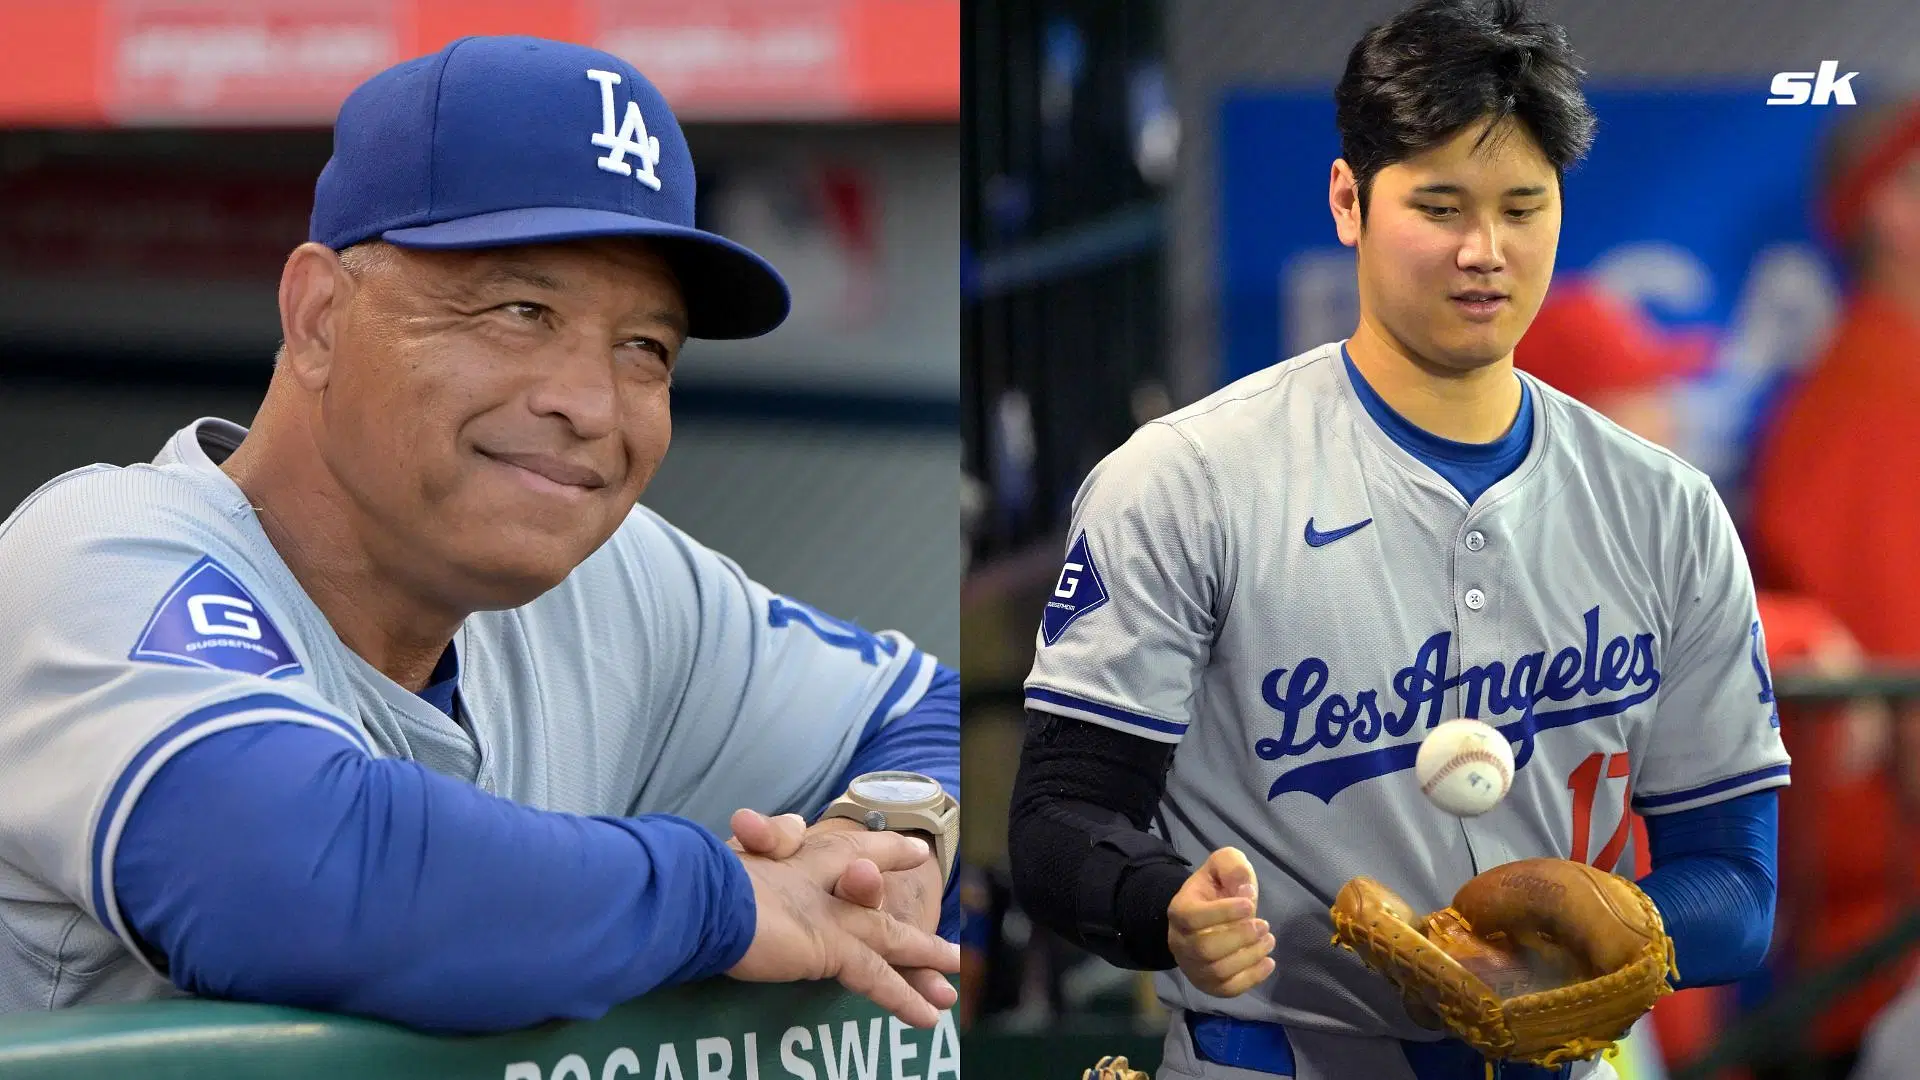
630, 138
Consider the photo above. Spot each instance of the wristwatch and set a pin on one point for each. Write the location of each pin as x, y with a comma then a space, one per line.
894, 801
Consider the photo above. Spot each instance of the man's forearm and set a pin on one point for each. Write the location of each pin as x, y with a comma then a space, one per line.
1082, 791
274, 863
1715, 884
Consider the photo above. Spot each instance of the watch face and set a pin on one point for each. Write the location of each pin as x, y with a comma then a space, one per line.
896, 788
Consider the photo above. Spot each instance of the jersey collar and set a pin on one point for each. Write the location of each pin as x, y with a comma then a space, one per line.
1420, 471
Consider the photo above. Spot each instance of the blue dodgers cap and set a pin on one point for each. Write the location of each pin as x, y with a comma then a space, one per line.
497, 141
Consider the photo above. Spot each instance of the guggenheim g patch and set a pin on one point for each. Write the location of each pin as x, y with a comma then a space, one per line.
208, 620
1078, 591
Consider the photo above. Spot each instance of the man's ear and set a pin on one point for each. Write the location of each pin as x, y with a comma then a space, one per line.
1343, 198
314, 288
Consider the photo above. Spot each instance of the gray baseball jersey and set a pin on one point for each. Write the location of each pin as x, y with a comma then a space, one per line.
1268, 580
144, 608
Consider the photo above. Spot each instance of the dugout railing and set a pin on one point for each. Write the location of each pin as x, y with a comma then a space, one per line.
1778, 1032
719, 1030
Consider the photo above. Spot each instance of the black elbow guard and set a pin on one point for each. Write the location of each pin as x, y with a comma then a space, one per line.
1124, 898
1121, 888
1084, 864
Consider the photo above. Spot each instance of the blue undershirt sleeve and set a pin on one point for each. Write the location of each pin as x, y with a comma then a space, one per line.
1715, 883
277, 863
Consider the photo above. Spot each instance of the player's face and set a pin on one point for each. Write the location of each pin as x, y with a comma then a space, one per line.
496, 414
1458, 246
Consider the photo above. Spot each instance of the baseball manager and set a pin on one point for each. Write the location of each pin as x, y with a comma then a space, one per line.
397, 704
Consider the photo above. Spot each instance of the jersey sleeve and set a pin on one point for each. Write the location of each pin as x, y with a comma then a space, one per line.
767, 697
133, 631
1130, 621
1716, 729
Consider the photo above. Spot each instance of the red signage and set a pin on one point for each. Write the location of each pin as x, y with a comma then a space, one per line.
240, 60
193, 62
758, 58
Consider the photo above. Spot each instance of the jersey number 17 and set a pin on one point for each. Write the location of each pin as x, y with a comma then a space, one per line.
1584, 782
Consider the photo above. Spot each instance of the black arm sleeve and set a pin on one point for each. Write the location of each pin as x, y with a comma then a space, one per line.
1084, 864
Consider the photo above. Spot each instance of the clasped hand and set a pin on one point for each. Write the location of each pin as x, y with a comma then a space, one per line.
835, 901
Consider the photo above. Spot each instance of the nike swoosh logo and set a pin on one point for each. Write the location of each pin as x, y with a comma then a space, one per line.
1316, 538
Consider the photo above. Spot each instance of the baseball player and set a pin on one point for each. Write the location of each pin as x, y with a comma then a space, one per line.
397, 704
1271, 595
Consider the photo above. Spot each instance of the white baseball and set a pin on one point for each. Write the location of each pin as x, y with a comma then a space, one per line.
1465, 767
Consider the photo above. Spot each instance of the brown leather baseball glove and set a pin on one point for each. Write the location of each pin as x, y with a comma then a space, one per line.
1113, 1068
1540, 960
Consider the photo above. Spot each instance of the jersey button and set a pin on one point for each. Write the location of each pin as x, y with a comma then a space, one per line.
1476, 540
1476, 599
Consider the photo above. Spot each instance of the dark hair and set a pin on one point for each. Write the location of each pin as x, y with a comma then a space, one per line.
1416, 80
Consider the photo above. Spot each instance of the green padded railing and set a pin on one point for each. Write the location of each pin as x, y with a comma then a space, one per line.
720, 1030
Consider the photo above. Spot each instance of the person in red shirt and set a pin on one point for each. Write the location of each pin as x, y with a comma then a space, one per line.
1832, 516
1835, 519
1837, 892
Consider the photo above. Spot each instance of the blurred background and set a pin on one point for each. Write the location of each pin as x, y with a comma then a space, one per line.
157, 162
1144, 219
